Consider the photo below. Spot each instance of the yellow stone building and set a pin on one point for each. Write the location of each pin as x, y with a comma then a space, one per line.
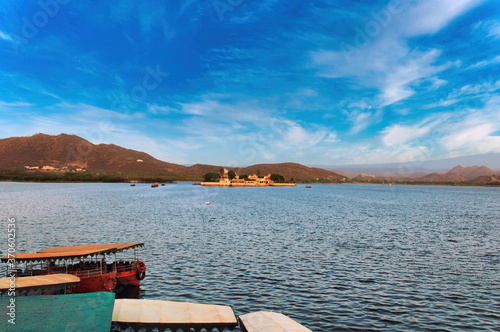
253, 181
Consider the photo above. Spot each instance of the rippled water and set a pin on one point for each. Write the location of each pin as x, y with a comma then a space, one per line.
333, 257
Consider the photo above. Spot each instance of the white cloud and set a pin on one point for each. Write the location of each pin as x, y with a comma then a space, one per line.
400, 134
5, 36
332, 138
475, 133
269, 156
485, 63
494, 30
430, 16
294, 136
485, 89
385, 61
14, 104
94, 113
156, 109
363, 119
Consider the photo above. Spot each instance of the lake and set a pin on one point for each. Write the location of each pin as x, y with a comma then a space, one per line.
332, 257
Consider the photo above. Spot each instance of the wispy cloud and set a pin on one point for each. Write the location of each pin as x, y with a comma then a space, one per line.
494, 29
485, 63
362, 119
5, 36
327, 81
401, 134
14, 104
477, 132
393, 72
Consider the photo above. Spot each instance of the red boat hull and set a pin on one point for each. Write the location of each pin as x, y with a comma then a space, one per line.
99, 283
128, 278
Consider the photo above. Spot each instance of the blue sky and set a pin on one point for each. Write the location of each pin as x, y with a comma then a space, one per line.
237, 82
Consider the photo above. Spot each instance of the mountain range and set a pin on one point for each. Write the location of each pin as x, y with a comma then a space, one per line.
71, 153
66, 154
411, 170
459, 174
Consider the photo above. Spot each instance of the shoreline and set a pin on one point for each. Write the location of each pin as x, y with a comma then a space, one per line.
494, 185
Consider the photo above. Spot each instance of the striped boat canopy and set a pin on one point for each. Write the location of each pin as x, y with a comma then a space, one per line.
68, 252
110, 247
48, 281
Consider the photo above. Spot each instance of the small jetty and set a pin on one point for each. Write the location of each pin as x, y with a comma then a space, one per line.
268, 321
151, 314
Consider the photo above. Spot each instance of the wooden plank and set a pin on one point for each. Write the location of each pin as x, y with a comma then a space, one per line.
72, 312
267, 321
174, 315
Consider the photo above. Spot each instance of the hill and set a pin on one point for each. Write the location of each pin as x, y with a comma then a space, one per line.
487, 179
287, 170
459, 174
439, 177
472, 172
70, 153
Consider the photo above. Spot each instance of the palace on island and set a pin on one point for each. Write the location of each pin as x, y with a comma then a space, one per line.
253, 181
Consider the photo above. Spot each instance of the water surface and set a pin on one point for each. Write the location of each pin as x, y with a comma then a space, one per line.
333, 257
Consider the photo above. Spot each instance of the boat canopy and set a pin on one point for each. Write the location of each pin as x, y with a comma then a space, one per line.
270, 322
104, 248
160, 314
69, 252
48, 282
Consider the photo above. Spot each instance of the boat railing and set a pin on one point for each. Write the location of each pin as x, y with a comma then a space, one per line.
125, 265
6, 272
87, 273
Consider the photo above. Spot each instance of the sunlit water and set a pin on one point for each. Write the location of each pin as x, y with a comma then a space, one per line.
333, 257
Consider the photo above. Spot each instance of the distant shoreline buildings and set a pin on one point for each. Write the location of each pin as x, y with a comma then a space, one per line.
253, 181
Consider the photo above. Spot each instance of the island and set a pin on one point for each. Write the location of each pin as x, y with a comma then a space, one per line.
253, 181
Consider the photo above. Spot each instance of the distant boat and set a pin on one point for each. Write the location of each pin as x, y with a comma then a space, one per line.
163, 184
155, 185
207, 203
196, 183
308, 186
132, 185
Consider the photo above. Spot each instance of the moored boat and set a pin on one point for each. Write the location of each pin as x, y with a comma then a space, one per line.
88, 262
154, 185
